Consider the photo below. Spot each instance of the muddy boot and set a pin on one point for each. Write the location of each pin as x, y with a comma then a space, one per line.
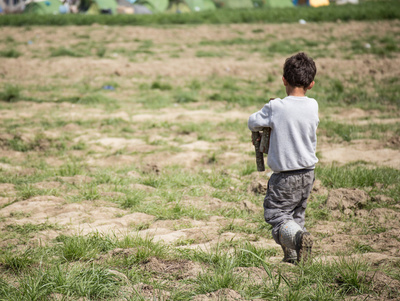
289, 255
293, 237
303, 246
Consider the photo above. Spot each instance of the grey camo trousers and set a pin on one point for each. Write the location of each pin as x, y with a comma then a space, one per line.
286, 198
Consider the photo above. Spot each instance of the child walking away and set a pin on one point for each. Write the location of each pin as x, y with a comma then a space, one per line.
291, 156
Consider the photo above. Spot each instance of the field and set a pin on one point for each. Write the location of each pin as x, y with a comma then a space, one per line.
127, 170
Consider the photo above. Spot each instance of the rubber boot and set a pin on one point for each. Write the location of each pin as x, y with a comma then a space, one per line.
292, 236
304, 246
289, 255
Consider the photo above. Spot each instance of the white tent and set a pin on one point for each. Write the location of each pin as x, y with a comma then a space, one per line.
12, 6
346, 1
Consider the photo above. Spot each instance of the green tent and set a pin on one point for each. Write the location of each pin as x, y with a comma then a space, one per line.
96, 7
200, 5
43, 7
185, 6
278, 3
178, 8
156, 6
234, 3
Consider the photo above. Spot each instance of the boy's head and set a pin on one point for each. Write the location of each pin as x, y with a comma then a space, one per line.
299, 70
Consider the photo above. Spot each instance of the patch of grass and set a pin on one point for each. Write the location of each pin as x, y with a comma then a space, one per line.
159, 85
185, 97
248, 229
232, 42
63, 51
32, 286
362, 248
356, 176
284, 47
243, 259
89, 192
154, 102
18, 143
218, 278
26, 191
349, 278
141, 226
90, 281
10, 53
317, 211
101, 52
388, 91
195, 85
90, 100
381, 46
347, 132
184, 242
87, 247
272, 284
202, 129
132, 199
17, 261
10, 93
203, 53
70, 169
248, 168
168, 210
29, 228
144, 249
237, 98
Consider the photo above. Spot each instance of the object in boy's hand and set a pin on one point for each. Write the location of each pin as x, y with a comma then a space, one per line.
256, 138
264, 143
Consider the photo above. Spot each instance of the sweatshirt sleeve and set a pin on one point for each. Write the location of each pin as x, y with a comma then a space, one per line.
260, 119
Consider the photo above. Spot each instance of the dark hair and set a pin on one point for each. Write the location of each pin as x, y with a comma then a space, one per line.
299, 70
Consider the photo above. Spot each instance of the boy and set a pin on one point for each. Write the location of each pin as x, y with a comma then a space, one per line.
291, 157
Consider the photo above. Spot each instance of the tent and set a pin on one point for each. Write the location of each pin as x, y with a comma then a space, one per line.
200, 5
128, 7
178, 7
278, 3
43, 7
339, 2
156, 6
141, 10
234, 3
301, 2
314, 3
184, 6
12, 6
317, 3
95, 7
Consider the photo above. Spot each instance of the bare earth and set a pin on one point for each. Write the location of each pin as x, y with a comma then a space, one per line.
152, 149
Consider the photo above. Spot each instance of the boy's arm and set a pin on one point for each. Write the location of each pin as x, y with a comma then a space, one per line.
260, 119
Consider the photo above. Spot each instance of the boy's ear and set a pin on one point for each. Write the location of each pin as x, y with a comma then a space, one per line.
311, 85
285, 82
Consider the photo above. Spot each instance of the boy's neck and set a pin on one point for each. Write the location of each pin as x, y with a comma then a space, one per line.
296, 91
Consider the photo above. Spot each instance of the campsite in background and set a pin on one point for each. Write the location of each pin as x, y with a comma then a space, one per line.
142, 7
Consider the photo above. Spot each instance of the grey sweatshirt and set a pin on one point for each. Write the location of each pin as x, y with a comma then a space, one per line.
294, 121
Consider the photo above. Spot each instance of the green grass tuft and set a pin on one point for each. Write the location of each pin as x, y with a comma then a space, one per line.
10, 53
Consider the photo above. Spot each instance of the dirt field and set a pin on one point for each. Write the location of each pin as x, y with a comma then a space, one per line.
73, 153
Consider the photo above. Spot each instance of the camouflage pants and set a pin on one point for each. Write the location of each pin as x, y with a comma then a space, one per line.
286, 198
